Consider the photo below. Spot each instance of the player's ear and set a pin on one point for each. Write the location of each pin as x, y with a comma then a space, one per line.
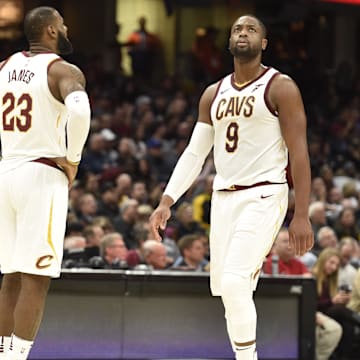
51, 30
264, 43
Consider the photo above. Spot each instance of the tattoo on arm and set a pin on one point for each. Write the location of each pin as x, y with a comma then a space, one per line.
74, 80
78, 76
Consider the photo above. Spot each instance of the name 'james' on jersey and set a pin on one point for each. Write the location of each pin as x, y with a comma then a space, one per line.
32, 120
248, 144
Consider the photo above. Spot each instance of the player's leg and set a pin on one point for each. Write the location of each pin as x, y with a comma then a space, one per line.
10, 286
28, 314
219, 241
41, 215
219, 238
257, 224
10, 283
223, 221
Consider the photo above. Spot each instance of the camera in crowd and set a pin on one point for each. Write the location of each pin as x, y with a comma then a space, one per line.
345, 288
91, 259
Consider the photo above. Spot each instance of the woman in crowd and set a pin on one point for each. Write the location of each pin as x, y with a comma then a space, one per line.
333, 301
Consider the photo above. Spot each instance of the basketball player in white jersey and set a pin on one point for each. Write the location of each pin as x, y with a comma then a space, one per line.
45, 118
252, 118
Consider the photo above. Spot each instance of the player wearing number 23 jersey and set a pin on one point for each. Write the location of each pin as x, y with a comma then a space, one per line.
26, 97
45, 120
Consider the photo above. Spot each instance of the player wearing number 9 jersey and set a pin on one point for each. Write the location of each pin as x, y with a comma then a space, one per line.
247, 133
252, 118
45, 118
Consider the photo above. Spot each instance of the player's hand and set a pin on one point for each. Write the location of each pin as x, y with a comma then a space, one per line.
301, 235
70, 170
158, 220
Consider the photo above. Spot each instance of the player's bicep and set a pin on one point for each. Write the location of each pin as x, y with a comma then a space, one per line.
65, 78
73, 80
290, 108
205, 105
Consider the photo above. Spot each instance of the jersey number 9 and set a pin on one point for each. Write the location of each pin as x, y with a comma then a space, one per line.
232, 137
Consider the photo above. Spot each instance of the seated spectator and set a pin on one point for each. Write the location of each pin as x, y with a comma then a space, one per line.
318, 189
332, 301
113, 251
105, 223
135, 256
347, 272
125, 222
75, 193
159, 164
345, 224
154, 254
91, 183
126, 155
326, 238
172, 249
334, 204
288, 264
184, 222
93, 235
87, 208
192, 252
144, 211
123, 185
95, 158
139, 192
317, 215
108, 203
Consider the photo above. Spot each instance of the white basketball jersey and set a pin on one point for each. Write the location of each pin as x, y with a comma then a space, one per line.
32, 120
248, 145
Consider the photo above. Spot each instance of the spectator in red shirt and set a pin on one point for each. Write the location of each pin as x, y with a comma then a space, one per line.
288, 264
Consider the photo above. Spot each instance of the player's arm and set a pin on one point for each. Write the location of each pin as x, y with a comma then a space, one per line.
286, 99
67, 84
189, 164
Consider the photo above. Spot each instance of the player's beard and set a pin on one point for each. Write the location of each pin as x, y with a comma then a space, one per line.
244, 53
64, 45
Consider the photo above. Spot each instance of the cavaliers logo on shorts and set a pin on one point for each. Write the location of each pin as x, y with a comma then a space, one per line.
44, 262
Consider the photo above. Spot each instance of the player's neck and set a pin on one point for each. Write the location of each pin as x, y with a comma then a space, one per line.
246, 72
37, 48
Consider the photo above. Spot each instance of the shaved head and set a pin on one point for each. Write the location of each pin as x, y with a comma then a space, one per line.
36, 20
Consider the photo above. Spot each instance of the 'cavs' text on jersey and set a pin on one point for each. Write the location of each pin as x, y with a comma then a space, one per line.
235, 106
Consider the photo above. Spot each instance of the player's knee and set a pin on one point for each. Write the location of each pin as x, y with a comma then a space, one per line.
236, 285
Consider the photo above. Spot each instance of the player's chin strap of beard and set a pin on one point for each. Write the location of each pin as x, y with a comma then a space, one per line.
263, 48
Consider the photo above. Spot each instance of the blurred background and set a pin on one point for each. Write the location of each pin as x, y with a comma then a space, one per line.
324, 31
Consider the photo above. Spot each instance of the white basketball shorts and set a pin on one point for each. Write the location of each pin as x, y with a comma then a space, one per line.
244, 225
33, 209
